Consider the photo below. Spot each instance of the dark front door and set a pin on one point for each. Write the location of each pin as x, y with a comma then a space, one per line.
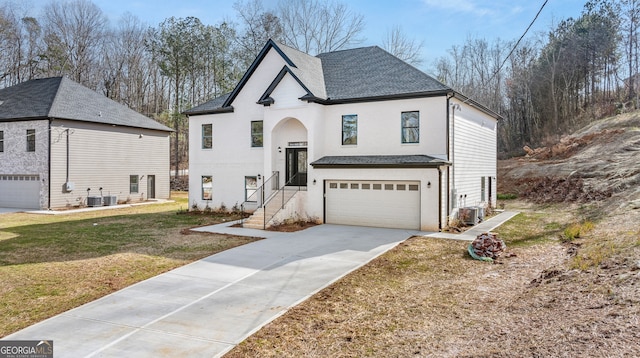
151, 186
297, 166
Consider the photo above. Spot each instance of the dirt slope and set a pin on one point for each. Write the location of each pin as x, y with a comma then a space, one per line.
600, 163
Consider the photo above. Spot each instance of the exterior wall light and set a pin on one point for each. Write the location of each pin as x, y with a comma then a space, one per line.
428, 184
279, 149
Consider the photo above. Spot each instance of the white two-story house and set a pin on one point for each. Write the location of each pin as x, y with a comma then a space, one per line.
354, 137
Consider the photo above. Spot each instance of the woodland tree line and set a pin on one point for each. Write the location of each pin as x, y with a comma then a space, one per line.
580, 70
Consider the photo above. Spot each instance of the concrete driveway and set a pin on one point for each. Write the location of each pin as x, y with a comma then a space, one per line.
207, 307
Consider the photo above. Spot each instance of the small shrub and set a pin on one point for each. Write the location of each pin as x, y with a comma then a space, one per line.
507, 196
207, 209
222, 208
236, 208
576, 231
488, 211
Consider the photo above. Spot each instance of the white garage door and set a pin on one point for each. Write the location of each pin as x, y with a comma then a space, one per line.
20, 191
391, 204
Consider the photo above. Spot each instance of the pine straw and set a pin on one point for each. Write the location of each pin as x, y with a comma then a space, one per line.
426, 298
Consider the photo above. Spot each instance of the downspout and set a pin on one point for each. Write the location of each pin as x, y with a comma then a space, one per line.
449, 96
49, 165
440, 199
454, 106
67, 180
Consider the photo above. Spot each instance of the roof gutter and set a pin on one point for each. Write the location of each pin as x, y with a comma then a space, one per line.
229, 109
476, 105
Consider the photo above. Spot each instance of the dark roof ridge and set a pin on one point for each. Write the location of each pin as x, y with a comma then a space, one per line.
56, 96
349, 49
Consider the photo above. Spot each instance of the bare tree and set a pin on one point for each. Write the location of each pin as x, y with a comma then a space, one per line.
74, 34
315, 27
398, 44
20, 37
126, 68
258, 26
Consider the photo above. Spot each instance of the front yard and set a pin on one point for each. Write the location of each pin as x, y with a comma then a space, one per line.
548, 296
52, 263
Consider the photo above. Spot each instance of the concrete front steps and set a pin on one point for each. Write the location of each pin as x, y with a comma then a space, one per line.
256, 220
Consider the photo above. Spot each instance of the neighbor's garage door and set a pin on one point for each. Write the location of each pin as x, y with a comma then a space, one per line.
391, 204
20, 191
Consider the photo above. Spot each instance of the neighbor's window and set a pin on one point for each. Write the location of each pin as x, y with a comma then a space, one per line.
350, 129
410, 127
482, 189
207, 136
256, 133
1, 141
31, 140
250, 188
133, 184
207, 187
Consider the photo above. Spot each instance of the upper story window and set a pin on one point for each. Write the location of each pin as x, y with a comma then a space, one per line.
133, 184
410, 127
350, 129
1, 141
207, 136
31, 140
256, 133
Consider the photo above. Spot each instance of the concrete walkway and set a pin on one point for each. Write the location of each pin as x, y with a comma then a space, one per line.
207, 307
482, 227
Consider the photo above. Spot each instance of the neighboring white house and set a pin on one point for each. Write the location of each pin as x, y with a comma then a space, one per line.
368, 139
61, 142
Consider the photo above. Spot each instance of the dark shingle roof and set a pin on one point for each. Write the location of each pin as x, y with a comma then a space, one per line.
62, 98
373, 72
356, 74
379, 161
212, 105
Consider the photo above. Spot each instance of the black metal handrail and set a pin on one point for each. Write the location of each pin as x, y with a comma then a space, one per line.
263, 193
283, 197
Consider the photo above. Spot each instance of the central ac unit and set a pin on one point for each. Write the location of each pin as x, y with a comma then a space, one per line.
110, 200
468, 215
94, 201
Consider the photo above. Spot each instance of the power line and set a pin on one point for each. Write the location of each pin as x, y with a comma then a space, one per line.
518, 42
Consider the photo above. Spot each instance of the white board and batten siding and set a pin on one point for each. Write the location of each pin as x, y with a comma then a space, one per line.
475, 155
104, 156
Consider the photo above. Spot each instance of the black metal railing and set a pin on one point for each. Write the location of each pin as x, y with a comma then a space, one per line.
273, 200
282, 197
263, 193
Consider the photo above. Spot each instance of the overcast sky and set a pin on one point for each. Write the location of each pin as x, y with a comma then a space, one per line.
440, 24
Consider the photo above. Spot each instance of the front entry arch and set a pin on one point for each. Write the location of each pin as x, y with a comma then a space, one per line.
289, 151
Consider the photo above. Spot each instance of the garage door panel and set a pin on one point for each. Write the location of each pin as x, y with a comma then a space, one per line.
393, 204
20, 191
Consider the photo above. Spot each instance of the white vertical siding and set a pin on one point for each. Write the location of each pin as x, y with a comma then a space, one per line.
105, 156
474, 143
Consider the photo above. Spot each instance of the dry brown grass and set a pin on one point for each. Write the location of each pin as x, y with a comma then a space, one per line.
427, 298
